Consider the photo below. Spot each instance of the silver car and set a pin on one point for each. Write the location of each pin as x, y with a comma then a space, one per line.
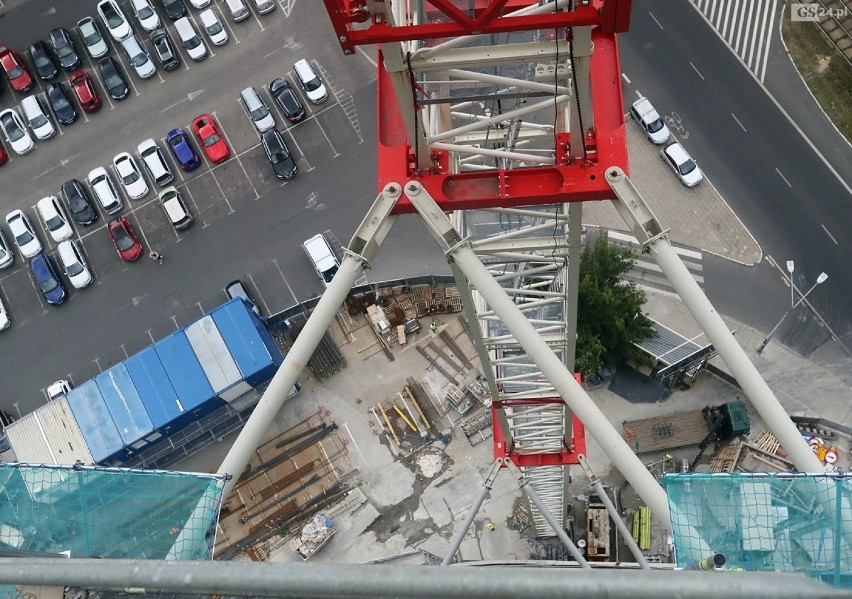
138, 57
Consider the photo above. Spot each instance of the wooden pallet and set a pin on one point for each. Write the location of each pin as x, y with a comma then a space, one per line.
767, 442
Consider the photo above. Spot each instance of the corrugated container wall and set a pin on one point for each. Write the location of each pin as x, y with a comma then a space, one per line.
186, 375
50, 435
250, 342
156, 391
215, 359
125, 406
95, 422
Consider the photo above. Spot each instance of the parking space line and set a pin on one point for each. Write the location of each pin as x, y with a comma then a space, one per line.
201, 33
258, 293
128, 68
283, 278
296, 143
236, 155
194, 204
226, 24
331, 145
222, 191
258, 21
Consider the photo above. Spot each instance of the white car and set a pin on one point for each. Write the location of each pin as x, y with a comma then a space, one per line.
191, 40
5, 321
92, 38
6, 255
16, 132
138, 57
154, 162
104, 190
213, 27
54, 219
74, 264
649, 120
310, 81
24, 234
38, 117
114, 20
145, 13
130, 177
682, 164
200, 3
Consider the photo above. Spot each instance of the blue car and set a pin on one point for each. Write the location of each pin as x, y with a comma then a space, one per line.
181, 147
48, 280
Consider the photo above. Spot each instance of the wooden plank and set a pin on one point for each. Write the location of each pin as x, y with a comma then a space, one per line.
665, 432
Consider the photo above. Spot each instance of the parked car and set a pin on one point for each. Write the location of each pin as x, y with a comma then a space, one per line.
256, 109
38, 117
61, 104
682, 164
264, 6
238, 289
213, 27
4, 157
175, 9
104, 190
16, 132
82, 85
74, 264
5, 321
207, 131
145, 14
79, 203
192, 42
164, 50
7, 256
93, 39
113, 78
44, 61
23, 233
154, 161
16, 71
124, 239
186, 156
175, 209
238, 10
649, 121
322, 258
57, 389
54, 219
129, 175
310, 81
63, 47
287, 100
114, 20
199, 4
138, 56
279, 155
47, 279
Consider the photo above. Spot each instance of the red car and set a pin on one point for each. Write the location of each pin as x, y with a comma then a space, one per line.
4, 157
16, 71
85, 91
214, 145
124, 239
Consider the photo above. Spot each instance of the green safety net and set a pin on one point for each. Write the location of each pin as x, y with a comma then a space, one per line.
112, 513
786, 522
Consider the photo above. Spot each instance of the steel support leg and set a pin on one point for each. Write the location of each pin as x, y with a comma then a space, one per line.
362, 249
474, 509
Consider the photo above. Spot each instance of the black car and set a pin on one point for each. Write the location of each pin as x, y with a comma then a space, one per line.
61, 103
279, 155
78, 202
63, 47
236, 289
175, 9
114, 80
164, 50
287, 99
45, 62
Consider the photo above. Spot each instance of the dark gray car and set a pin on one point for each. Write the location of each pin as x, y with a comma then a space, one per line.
278, 155
63, 47
164, 50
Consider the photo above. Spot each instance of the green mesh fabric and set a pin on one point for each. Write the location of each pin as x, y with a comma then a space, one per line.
107, 512
766, 522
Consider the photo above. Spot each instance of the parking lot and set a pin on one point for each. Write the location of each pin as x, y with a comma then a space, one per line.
248, 224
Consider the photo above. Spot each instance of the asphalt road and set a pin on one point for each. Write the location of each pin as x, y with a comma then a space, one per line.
248, 224
771, 177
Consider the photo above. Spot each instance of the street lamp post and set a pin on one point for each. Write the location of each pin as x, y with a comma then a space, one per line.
820, 279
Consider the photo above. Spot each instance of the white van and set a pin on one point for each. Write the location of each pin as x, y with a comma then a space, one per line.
310, 82
154, 162
238, 9
38, 117
191, 40
321, 256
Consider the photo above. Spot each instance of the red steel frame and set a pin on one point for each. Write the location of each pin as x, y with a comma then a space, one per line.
574, 178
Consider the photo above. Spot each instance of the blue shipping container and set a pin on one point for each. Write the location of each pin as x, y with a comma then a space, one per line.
250, 342
155, 389
193, 390
95, 421
122, 400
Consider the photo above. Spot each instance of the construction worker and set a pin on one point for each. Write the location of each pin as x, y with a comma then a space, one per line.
156, 256
489, 525
433, 326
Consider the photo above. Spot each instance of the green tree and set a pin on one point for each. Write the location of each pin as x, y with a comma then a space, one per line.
609, 310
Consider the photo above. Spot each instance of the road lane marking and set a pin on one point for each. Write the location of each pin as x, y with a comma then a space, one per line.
695, 68
738, 122
283, 278
783, 177
626, 78
655, 20
827, 232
